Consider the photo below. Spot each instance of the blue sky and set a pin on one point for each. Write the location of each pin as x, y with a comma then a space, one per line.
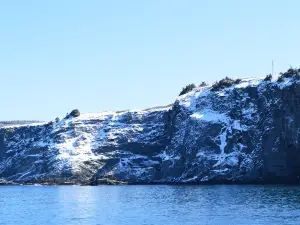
110, 55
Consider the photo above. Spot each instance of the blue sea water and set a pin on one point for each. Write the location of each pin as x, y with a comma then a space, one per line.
161, 204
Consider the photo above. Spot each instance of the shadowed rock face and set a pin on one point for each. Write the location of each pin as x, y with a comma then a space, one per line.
247, 133
2, 144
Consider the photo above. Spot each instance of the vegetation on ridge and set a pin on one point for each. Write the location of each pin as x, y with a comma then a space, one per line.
74, 113
224, 83
227, 81
187, 89
268, 78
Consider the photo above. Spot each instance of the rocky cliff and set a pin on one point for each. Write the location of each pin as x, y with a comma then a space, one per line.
245, 133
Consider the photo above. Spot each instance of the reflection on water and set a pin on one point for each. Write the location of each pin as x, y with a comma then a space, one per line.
211, 204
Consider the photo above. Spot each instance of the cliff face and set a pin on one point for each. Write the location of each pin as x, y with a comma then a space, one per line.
246, 133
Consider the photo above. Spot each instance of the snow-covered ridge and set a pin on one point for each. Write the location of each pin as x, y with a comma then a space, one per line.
25, 125
11, 124
104, 114
199, 92
91, 116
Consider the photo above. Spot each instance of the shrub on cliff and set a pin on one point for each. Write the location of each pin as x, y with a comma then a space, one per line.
268, 78
187, 89
203, 84
224, 83
280, 78
237, 81
50, 123
290, 73
75, 113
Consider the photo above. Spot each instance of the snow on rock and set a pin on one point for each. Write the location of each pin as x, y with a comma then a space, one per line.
231, 135
211, 117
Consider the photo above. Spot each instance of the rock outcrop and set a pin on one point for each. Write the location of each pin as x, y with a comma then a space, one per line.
246, 133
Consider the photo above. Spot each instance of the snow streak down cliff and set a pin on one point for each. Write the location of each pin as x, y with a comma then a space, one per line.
247, 133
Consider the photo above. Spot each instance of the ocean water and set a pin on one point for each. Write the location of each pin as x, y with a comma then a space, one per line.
161, 204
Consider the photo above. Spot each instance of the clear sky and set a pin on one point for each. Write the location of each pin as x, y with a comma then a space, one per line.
57, 55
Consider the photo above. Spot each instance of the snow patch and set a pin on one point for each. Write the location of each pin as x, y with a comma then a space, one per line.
211, 116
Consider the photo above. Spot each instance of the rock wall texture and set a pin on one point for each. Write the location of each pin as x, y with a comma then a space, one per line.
246, 133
